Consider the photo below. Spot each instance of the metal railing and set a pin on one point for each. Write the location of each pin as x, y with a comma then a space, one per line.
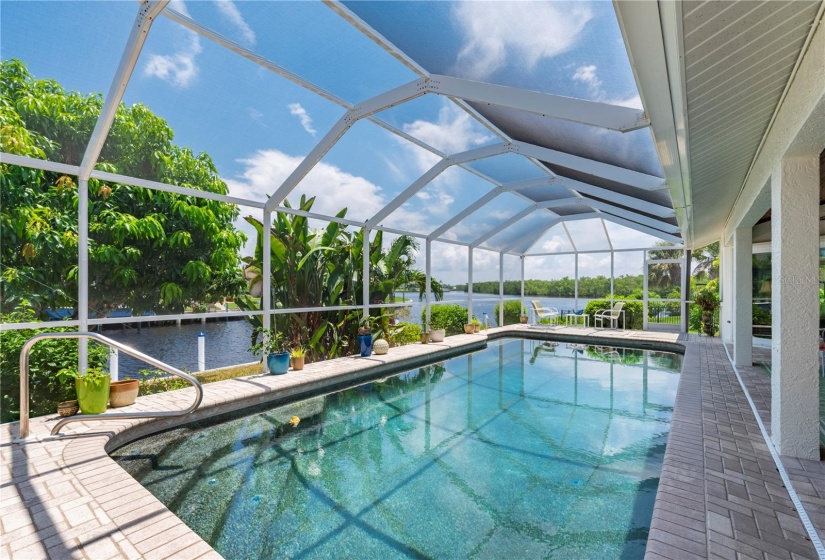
24, 383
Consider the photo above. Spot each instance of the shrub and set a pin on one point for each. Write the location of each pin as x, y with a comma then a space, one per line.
761, 316
451, 317
512, 311
633, 310
46, 359
406, 333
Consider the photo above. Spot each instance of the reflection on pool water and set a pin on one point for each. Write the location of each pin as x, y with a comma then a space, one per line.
522, 450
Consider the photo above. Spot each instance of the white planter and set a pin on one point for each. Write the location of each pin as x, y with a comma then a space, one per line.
380, 346
437, 335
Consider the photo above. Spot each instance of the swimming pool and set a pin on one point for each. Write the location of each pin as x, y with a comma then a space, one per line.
522, 450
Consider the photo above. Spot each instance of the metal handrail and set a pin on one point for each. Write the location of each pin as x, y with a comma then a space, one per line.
24, 382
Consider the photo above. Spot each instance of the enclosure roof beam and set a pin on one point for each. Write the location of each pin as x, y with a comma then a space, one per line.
369, 107
147, 13
432, 173
591, 167
618, 198
534, 234
455, 220
602, 115
644, 229
264, 62
559, 202
501, 227
622, 213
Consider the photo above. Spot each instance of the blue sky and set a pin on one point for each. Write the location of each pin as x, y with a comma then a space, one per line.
258, 126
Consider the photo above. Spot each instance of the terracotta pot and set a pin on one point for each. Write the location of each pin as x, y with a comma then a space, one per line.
469, 328
123, 393
425, 338
523, 319
476, 328
298, 363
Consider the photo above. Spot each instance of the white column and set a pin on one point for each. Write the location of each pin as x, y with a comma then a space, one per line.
742, 296
725, 292
428, 246
366, 275
644, 297
522, 310
501, 289
684, 305
266, 278
83, 271
470, 287
795, 307
612, 255
576, 285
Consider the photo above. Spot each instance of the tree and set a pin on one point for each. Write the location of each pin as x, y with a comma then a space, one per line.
147, 249
662, 277
707, 261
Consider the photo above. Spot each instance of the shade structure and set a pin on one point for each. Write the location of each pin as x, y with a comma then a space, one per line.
411, 133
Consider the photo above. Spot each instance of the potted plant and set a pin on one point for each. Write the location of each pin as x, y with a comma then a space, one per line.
522, 319
476, 325
124, 392
469, 328
91, 386
365, 339
425, 335
273, 346
297, 355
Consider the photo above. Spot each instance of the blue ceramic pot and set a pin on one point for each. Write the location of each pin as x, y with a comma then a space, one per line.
278, 363
365, 344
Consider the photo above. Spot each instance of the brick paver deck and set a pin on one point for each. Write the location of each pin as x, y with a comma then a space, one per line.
719, 494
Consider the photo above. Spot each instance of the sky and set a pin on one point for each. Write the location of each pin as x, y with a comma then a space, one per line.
258, 126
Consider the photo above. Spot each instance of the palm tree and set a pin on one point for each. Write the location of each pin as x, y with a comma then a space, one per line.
663, 277
707, 261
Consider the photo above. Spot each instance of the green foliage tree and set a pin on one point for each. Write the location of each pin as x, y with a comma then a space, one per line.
147, 249
706, 262
589, 287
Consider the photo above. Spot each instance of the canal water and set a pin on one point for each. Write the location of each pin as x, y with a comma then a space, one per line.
227, 342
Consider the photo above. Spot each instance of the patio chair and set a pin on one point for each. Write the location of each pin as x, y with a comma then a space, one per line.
608, 314
540, 312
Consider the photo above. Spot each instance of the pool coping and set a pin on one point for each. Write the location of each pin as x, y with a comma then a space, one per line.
67, 498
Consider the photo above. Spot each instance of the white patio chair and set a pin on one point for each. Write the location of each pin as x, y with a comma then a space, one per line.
540, 312
608, 314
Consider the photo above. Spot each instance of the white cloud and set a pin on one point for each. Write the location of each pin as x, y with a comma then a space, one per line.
180, 68
454, 131
230, 11
500, 33
587, 75
306, 121
266, 170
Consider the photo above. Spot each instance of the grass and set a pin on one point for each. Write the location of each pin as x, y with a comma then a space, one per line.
159, 382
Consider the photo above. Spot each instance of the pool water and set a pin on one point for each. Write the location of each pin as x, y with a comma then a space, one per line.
521, 450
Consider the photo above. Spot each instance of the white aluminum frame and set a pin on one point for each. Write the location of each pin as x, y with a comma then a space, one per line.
459, 91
